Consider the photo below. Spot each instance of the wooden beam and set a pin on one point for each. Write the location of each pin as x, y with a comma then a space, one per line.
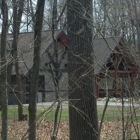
116, 83
102, 91
132, 76
113, 71
97, 86
116, 71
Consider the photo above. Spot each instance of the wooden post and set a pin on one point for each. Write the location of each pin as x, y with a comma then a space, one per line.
132, 76
97, 86
116, 74
116, 83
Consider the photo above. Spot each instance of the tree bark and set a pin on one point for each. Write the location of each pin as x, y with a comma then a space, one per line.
82, 98
54, 16
137, 24
4, 96
35, 70
17, 15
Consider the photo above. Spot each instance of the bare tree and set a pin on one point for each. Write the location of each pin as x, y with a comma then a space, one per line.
3, 82
17, 15
58, 8
82, 99
35, 69
137, 24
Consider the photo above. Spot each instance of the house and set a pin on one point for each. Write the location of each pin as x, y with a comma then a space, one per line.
115, 66
48, 64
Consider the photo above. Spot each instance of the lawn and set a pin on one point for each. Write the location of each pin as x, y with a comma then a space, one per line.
42, 113
111, 127
112, 113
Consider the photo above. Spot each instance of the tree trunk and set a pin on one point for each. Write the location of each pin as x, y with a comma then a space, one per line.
17, 15
137, 24
32, 13
55, 74
35, 70
82, 98
4, 96
54, 16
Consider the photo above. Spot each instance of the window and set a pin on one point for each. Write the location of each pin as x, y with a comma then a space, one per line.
46, 64
41, 83
66, 65
27, 84
9, 45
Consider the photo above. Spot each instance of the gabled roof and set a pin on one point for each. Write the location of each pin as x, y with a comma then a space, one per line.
26, 47
103, 47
